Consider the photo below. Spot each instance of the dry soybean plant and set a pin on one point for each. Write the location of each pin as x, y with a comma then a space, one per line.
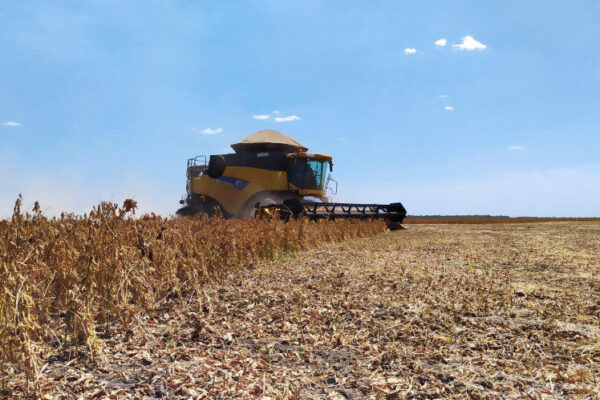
64, 280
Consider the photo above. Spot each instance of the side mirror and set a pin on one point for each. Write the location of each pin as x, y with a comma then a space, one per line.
216, 166
330, 167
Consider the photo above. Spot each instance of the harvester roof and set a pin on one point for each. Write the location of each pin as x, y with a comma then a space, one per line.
268, 140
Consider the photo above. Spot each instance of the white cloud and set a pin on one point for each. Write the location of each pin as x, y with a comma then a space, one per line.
11, 123
443, 96
341, 138
410, 51
449, 108
289, 118
277, 116
516, 148
441, 42
209, 131
469, 43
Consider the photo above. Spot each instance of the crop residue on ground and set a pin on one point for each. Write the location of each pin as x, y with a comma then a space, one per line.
502, 310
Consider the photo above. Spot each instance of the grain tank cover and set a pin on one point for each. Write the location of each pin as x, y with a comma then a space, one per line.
266, 140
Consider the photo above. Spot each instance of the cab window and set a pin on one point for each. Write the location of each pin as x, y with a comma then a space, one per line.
308, 174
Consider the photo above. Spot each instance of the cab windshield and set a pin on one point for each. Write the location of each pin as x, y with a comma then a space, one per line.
308, 174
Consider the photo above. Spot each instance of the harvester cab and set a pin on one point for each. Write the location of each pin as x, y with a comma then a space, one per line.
271, 171
309, 173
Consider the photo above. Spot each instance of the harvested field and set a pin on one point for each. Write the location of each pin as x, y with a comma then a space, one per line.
463, 311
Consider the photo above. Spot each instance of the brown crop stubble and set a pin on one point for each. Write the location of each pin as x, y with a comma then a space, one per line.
63, 280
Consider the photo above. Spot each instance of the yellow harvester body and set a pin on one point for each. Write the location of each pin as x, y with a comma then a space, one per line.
266, 168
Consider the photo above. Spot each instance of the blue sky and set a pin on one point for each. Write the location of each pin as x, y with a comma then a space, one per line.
103, 100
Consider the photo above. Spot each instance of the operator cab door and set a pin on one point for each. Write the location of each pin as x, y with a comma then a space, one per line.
307, 174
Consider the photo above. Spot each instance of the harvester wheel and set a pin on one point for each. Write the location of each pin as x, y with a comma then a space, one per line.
395, 226
203, 205
248, 210
264, 202
186, 211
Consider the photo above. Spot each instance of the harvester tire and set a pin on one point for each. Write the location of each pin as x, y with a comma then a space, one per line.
186, 211
261, 199
204, 205
395, 226
263, 202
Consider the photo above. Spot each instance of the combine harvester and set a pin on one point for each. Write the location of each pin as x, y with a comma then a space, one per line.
271, 173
